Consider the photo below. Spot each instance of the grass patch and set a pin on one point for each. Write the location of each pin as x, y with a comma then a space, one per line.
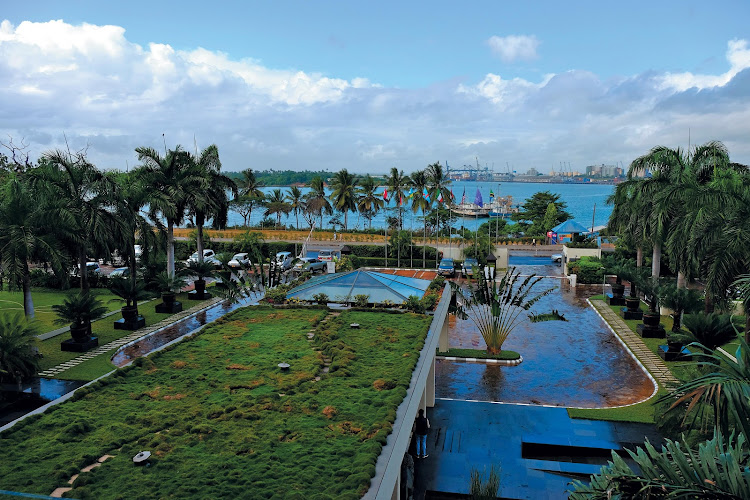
642, 412
105, 330
44, 299
218, 430
480, 354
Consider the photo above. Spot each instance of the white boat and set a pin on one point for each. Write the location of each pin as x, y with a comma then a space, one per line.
471, 210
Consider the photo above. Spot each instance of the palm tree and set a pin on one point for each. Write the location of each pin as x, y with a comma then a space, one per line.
79, 309
250, 195
17, 357
368, 203
296, 203
419, 202
249, 185
276, 205
25, 237
211, 200
495, 307
343, 196
171, 179
76, 192
628, 218
743, 285
438, 191
397, 183
316, 200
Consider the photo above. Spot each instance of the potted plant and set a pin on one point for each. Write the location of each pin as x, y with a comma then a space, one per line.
680, 301
201, 269
168, 286
79, 309
651, 326
131, 291
632, 274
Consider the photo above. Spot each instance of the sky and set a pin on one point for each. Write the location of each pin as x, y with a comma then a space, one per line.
368, 86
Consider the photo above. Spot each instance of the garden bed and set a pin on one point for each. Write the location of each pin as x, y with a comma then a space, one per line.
480, 354
222, 420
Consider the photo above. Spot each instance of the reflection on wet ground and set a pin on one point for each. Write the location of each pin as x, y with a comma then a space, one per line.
34, 393
172, 332
573, 363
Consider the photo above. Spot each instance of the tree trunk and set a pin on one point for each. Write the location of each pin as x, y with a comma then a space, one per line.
84, 272
639, 257
681, 281
28, 302
424, 244
170, 248
747, 326
199, 221
708, 304
656, 261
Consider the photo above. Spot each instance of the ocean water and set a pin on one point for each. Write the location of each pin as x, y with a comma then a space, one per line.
586, 202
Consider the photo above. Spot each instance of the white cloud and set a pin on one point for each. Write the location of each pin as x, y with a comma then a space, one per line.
514, 47
738, 55
102, 90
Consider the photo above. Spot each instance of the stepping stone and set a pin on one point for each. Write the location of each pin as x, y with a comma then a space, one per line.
91, 467
73, 478
58, 493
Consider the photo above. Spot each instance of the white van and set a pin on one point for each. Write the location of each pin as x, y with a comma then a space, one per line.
325, 255
284, 260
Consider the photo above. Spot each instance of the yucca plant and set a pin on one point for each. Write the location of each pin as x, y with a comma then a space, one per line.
496, 307
711, 330
716, 469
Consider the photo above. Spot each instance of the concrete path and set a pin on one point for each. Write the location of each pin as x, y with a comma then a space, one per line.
137, 334
653, 363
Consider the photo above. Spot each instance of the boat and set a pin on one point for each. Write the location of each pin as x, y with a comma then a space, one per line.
471, 210
502, 207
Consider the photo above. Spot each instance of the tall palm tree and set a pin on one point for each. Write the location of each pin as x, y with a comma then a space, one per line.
316, 200
211, 200
171, 178
296, 202
343, 196
75, 191
397, 183
248, 184
276, 205
628, 218
25, 237
419, 202
250, 195
367, 201
439, 191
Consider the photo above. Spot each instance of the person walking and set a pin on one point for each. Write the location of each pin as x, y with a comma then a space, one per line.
421, 427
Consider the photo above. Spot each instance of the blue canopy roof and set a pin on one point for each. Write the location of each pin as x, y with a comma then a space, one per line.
342, 287
569, 226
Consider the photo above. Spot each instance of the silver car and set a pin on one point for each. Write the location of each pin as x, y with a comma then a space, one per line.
240, 260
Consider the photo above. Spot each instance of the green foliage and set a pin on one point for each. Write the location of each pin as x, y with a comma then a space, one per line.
79, 309
429, 300
277, 294
321, 298
414, 304
129, 289
494, 307
716, 469
17, 358
588, 270
438, 283
533, 214
217, 409
166, 283
481, 489
586, 243
710, 330
361, 300
476, 353
680, 300
348, 263
553, 315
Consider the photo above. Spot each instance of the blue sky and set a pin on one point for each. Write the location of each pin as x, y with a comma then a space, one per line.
368, 86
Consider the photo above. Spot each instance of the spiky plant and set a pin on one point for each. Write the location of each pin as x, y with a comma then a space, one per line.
496, 307
17, 359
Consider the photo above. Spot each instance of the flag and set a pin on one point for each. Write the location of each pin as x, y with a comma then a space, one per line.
426, 195
463, 197
452, 197
411, 193
385, 194
400, 201
492, 195
478, 199
440, 198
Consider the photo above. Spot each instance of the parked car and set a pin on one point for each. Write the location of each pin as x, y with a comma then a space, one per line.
208, 256
325, 255
92, 268
239, 260
467, 268
446, 268
284, 260
310, 264
556, 257
120, 272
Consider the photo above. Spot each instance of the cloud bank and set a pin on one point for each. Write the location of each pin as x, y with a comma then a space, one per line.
514, 47
99, 89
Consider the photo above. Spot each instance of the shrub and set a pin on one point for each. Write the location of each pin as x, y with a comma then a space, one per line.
414, 304
321, 298
277, 294
429, 301
361, 300
437, 284
588, 269
712, 330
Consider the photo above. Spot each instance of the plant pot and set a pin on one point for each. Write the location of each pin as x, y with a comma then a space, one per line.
651, 319
130, 313
80, 333
618, 290
168, 298
200, 286
675, 346
632, 303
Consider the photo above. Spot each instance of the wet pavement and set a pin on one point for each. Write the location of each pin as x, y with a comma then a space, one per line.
575, 363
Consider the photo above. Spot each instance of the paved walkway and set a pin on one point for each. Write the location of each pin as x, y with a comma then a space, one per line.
653, 363
137, 334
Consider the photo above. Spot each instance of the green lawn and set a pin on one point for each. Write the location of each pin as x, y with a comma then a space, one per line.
104, 329
223, 422
642, 412
44, 299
